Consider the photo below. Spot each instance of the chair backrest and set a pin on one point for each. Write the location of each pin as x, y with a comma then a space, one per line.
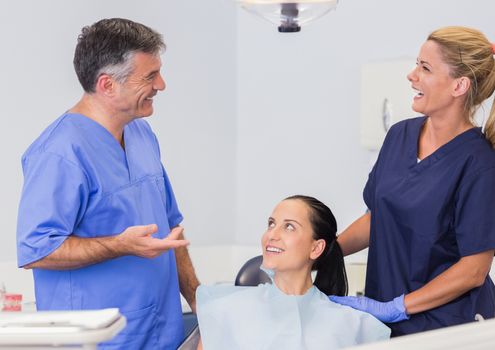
250, 273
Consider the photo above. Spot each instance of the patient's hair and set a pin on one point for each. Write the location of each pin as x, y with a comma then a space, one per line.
331, 277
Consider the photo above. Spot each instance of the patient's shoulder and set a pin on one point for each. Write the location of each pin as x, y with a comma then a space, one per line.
338, 310
364, 326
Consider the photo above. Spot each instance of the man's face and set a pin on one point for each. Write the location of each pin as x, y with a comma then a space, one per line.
134, 98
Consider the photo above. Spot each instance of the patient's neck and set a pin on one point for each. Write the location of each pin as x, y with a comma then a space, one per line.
293, 282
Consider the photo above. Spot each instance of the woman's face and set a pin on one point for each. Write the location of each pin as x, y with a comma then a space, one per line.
430, 78
288, 242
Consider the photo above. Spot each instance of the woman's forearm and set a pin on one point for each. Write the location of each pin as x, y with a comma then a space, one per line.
356, 237
468, 273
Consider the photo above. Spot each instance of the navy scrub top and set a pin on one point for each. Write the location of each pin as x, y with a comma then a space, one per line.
425, 216
79, 181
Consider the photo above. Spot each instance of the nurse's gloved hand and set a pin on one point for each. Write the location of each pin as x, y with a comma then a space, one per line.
389, 312
138, 241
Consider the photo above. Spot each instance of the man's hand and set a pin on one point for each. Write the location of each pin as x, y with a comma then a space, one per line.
137, 240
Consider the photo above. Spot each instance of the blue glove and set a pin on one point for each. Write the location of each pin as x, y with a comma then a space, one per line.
389, 312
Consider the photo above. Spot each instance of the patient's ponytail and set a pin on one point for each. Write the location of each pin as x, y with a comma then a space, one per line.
331, 277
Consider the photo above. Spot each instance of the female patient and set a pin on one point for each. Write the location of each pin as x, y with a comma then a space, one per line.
293, 312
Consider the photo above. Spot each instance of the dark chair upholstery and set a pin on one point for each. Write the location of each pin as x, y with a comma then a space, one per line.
192, 340
250, 273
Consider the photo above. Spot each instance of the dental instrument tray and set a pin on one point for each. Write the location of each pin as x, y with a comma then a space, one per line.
86, 327
76, 320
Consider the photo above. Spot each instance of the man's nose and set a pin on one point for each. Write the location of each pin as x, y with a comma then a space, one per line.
159, 83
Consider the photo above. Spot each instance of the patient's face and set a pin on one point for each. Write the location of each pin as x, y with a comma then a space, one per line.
288, 240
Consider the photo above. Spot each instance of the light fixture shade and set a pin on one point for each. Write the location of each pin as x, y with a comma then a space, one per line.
289, 15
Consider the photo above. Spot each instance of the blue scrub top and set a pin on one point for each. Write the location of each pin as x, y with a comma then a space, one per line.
425, 216
80, 181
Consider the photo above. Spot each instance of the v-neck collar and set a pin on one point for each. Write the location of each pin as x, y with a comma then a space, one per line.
443, 150
102, 134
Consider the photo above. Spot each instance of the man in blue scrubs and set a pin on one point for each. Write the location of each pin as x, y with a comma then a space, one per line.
98, 221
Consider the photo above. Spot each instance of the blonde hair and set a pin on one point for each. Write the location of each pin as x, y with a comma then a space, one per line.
469, 54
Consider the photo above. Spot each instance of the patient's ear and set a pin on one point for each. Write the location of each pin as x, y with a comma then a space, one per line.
317, 248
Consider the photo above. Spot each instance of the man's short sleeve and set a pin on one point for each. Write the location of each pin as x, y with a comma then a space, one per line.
53, 199
173, 214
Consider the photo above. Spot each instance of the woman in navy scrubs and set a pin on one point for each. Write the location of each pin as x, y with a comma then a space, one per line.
430, 228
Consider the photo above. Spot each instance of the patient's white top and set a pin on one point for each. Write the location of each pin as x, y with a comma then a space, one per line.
263, 317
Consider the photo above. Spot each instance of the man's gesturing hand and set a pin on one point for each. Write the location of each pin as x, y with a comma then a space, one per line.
137, 240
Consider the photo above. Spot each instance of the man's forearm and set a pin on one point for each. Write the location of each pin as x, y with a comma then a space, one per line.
188, 282
77, 252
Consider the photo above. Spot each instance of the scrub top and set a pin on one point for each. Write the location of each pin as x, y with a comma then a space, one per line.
78, 180
265, 318
427, 215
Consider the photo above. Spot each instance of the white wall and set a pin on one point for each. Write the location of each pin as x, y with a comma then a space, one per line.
298, 110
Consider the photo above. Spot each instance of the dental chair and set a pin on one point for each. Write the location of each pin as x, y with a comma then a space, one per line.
249, 275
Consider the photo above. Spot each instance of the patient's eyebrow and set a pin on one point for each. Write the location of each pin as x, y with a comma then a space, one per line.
292, 220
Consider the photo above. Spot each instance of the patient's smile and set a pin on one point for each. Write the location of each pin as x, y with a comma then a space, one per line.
273, 249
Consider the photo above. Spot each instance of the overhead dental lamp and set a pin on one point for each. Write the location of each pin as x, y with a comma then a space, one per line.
289, 15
